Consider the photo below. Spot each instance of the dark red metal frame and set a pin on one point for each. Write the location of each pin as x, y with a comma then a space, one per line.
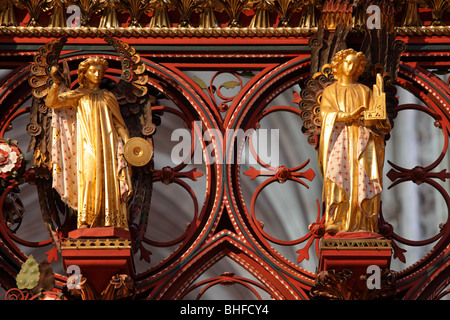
225, 225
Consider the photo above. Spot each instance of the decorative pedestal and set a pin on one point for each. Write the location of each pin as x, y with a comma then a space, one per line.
354, 251
343, 267
101, 254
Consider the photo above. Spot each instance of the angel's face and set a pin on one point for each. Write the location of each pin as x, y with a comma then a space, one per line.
350, 65
94, 74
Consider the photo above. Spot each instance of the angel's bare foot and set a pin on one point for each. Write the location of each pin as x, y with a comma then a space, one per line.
332, 229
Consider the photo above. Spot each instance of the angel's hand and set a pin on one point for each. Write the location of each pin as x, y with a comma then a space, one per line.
56, 75
349, 117
125, 138
357, 113
123, 134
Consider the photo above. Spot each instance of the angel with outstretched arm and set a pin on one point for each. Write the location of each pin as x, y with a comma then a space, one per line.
89, 134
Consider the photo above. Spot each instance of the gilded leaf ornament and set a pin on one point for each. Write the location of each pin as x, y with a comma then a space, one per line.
160, 16
285, 9
233, 9
58, 17
7, 15
207, 17
411, 16
186, 8
135, 8
438, 7
308, 17
261, 17
34, 8
109, 17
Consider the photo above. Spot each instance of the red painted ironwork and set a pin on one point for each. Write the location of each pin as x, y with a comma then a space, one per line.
226, 224
160, 282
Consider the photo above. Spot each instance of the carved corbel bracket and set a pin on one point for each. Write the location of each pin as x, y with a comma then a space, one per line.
345, 285
120, 286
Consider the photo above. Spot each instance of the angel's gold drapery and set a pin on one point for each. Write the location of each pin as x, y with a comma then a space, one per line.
95, 159
351, 158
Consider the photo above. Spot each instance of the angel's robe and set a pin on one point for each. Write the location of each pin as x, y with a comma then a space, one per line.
351, 158
89, 170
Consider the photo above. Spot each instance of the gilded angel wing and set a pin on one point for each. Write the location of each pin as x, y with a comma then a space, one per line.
135, 100
39, 129
47, 57
324, 46
132, 86
309, 103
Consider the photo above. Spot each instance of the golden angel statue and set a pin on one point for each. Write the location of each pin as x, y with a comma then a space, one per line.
352, 146
89, 134
88, 142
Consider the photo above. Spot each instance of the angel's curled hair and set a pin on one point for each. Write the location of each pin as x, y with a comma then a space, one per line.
84, 66
339, 58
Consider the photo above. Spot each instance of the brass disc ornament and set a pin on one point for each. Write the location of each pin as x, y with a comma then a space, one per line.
138, 151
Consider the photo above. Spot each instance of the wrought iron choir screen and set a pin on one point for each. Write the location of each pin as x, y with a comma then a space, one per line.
238, 212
